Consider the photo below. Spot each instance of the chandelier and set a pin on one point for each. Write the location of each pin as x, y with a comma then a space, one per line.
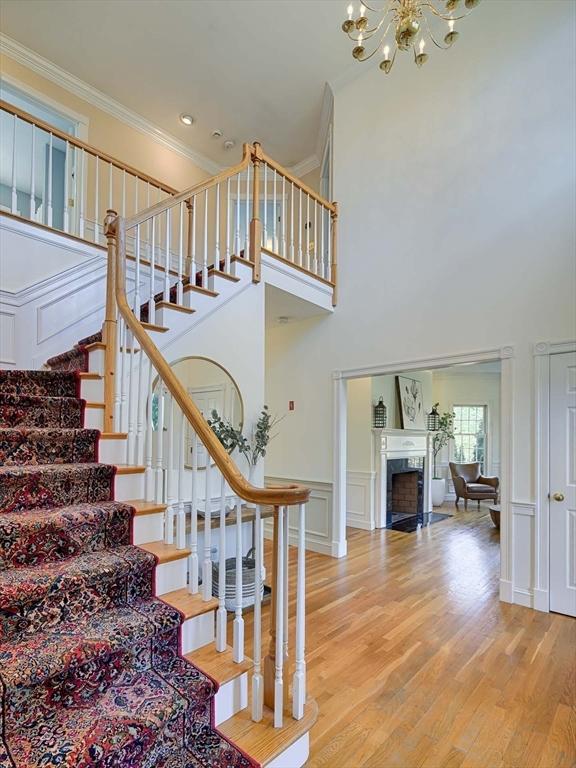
404, 25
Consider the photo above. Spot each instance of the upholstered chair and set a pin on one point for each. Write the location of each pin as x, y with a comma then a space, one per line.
469, 483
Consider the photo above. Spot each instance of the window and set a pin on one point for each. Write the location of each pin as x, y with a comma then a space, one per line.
470, 434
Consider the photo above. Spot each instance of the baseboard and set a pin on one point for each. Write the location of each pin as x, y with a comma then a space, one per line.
339, 548
542, 600
506, 591
523, 597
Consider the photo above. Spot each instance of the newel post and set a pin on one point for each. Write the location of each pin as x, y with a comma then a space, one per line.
255, 223
109, 336
334, 270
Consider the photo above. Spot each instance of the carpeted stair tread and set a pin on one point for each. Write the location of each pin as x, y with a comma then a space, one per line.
50, 485
39, 383
70, 645
117, 729
47, 445
33, 537
33, 598
75, 359
38, 411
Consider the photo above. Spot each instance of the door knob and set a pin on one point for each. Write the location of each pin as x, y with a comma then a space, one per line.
558, 496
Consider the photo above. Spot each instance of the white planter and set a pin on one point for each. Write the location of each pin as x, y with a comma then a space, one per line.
438, 492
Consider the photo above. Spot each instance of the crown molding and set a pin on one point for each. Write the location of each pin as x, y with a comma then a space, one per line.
326, 116
28, 58
305, 166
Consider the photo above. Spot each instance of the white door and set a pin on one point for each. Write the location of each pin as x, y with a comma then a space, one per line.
207, 399
563, 483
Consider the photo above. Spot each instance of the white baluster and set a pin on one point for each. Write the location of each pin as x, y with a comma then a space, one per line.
265, 212
308, 232
82, 209
158, 471
207, 562
96, 200
14, 203
123, 193
300, 227
170, 495
292, 222
193, 583
257, 679
110, 172
237, 234
193, 266
148, 448
131, 402
279, 650
217, 233
123, 423
33, 176
151, 302
283, 251
285, 592
322, 250
227, 254
49, 201
166, 293
66, 217
138, 457
180, 283
137, 299
329, 249
315, 241
238, 645
299, 679
205, 254
275, 215
181, 512
221, 624
247, 217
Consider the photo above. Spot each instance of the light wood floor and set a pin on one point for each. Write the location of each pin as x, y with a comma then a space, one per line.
415, 663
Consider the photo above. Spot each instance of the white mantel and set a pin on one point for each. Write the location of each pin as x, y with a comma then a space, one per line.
400, 444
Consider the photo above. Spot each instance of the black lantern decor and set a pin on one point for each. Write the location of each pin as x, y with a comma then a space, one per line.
379, 419
433, 420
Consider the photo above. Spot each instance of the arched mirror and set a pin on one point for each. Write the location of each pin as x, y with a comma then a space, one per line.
211, 388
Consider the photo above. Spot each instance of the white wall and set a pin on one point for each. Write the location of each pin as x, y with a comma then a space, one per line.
457, 233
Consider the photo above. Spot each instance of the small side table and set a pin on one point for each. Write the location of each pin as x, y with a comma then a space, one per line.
495, 515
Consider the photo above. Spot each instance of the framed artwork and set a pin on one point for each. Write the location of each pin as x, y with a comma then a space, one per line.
411, 403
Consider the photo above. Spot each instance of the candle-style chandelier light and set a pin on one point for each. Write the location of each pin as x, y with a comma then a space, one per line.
404, 25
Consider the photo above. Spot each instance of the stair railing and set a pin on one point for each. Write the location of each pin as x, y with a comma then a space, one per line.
189, 240
61, 182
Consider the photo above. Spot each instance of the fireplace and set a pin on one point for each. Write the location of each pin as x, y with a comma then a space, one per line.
405, 493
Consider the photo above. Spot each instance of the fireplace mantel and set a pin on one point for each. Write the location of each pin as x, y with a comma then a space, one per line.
400, 444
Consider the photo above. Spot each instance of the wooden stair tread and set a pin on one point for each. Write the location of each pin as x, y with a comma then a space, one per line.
127, 469
154, 327
145, 507
113, 435
166, 553
177, 307
188, 604
243, 260
200, 289
89, 375
95, 405
95, 345
261, 740
248, 516
225, 275
219, 665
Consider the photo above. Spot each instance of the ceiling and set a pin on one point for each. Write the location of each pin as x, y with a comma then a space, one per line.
256, 70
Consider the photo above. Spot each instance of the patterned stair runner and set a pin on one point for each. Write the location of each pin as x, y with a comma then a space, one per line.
90, 670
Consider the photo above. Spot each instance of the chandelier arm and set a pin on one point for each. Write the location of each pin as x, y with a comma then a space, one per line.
368, 33
379, 10
442, 16
436, 43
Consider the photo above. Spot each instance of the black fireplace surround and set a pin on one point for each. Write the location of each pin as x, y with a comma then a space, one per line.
402, 521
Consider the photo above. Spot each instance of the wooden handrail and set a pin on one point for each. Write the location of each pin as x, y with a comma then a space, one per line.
6, 107
288, 495
297, 182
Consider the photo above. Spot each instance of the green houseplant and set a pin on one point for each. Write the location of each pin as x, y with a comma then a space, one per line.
441, 438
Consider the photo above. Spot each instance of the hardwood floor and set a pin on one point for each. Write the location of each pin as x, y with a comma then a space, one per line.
415, 663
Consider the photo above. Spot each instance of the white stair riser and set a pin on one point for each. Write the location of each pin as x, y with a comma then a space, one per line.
171, 576
200, 302
96, 361
231, 698
242, 270
92, 390
129, 486
295, 756
221, 285
94, 418
112, 451
148, 528
198, 631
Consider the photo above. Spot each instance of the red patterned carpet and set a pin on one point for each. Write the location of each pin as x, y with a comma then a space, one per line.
90, 667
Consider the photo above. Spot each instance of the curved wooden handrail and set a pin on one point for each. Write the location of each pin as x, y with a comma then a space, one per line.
277, 496
181, 197
19, 113
297, 182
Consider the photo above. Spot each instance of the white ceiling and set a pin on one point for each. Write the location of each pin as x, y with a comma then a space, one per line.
255, 69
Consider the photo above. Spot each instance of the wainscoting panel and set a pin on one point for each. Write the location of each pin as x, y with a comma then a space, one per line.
360, 500
523, 538
7, 338
318, 515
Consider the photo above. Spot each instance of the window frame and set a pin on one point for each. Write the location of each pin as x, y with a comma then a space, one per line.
487, 458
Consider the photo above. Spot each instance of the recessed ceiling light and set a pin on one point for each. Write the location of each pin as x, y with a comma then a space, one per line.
217, 133
229, 144
186, 119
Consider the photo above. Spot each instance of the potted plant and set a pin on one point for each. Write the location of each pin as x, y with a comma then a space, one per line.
442, 436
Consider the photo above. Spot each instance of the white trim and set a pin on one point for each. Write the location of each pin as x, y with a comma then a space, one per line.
82, 90
506, 356
364, 517
542, 351
326, 117
305, 166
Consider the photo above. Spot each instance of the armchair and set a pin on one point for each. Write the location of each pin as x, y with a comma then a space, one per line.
470, 484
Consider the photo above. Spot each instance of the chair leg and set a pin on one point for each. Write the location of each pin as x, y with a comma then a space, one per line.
466, 504
478, 505
456, 502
